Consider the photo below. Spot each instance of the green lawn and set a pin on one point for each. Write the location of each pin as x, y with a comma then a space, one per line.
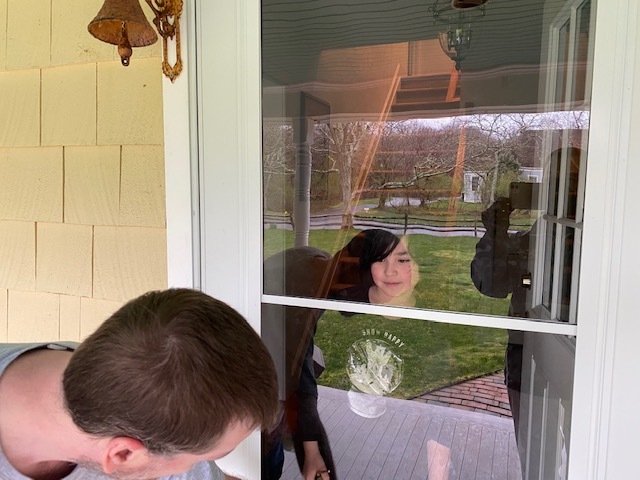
434, 354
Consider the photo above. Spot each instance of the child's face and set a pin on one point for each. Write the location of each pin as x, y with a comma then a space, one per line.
396, 274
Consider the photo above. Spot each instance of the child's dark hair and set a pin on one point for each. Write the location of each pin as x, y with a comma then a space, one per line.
373, 245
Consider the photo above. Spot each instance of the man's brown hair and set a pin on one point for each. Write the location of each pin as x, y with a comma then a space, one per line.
173, 369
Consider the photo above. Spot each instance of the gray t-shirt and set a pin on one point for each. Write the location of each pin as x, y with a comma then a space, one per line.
8, 353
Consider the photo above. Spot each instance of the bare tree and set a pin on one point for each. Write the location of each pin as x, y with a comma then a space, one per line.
346, 143
499, 140
416, 153
277, 155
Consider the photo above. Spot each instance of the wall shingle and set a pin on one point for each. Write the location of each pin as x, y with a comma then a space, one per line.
93, 313
130, 103
33, 317
3, 314
71, 42
3, 35
28, 34
91, 185
142, 197
69, 105
20, 110
69, 318
17, 255
31, 184
64, 258
128, 261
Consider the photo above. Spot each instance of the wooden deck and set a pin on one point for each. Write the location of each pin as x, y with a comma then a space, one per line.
413, 440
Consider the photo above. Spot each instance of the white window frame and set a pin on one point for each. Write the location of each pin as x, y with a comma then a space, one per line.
567, 16
228, 110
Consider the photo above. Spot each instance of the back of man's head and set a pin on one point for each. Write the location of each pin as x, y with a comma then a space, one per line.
172, 369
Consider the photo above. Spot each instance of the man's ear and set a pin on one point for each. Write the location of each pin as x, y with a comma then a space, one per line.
123, 452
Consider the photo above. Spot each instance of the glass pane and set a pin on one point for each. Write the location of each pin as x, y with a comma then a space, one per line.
572, 179
391, 398
554, 183
581, 51
371, 122
564, 37
567, 261
418, 155
549, 265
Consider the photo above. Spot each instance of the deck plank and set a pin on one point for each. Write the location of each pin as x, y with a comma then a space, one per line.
348, 457
500, 467
395, 455
322, 403
471, 450
412, 440
385, 445
515, 467
485, 454
412, 451
429, 444
337, 417
458, 447
366, 453
441, 456
343, 432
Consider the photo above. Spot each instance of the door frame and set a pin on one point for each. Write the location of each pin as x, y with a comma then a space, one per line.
227, 53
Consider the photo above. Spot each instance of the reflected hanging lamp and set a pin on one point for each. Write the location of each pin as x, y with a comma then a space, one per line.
123, 23
455, 41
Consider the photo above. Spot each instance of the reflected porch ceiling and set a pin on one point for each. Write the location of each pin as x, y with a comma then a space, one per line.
501, 72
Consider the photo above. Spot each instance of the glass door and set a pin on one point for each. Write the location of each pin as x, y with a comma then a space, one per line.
423, 177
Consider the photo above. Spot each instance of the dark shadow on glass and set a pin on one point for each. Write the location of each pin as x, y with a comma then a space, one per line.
502, 266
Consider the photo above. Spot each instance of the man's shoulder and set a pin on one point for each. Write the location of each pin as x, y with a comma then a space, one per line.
200, 471
10, 351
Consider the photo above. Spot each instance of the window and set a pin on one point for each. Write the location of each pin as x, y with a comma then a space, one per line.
369, 130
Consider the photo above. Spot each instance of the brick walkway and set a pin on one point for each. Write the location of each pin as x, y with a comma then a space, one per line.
486, 394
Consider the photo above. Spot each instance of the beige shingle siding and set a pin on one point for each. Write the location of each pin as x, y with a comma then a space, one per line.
33, 316
82, 193
3, 35
142, 189
130, 103
70, 317
92, 185
128, 261
28, 34
20, 108
31, 184
64, 258
17, 255
93, 312
69, 105
3, 314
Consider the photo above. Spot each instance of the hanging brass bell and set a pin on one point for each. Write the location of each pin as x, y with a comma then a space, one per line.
123, 23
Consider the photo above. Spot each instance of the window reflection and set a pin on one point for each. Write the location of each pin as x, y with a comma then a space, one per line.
426, 384
478, 171
431, 183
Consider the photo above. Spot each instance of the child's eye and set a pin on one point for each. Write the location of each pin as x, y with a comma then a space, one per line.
404, 260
